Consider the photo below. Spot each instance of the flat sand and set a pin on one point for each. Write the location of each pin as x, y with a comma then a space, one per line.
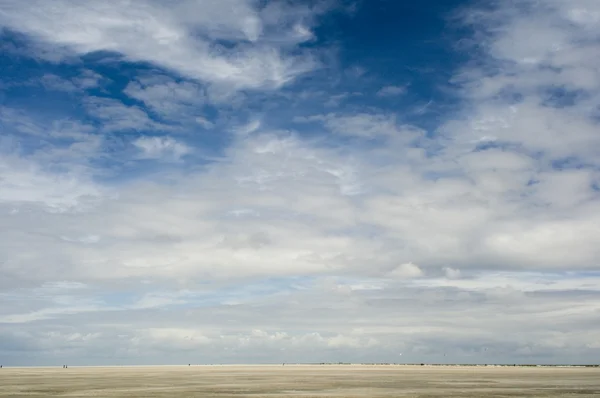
299, 381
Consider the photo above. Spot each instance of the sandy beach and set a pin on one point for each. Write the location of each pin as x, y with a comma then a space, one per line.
299, 381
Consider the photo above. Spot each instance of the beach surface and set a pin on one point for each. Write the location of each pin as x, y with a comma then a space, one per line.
300, 381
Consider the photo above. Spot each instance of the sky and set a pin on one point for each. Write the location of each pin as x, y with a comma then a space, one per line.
268, 181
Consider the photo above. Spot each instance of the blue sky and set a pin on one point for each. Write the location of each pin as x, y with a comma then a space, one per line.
269, 181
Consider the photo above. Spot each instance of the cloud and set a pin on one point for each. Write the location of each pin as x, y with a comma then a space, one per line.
545, 315
116, 116
53, 82
391, 91
161, 148
452, 273
26, 183
166, 97
349, 236
337, 99
407, 270
86, 80
363, 125
170, 37
204, 122
538, 51
248, 128
173, 338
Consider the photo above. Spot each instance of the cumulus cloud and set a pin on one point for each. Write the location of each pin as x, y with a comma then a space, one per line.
407, 270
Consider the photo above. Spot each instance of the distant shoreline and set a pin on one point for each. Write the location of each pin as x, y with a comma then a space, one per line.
424, 365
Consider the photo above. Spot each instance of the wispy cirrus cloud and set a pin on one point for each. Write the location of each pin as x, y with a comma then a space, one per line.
390, 91
161, 148
170, 37
168, 98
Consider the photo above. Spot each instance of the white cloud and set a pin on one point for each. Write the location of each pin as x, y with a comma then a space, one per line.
116, 116
451, 273
24, 183
161, 148
365, 125
337, 99
538, 50
207, 124
53, 82
168, 98
343, 341
469, 240
410, 317
86, 80
391, 91
248, 128
173, 338
407, 270
178, 36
